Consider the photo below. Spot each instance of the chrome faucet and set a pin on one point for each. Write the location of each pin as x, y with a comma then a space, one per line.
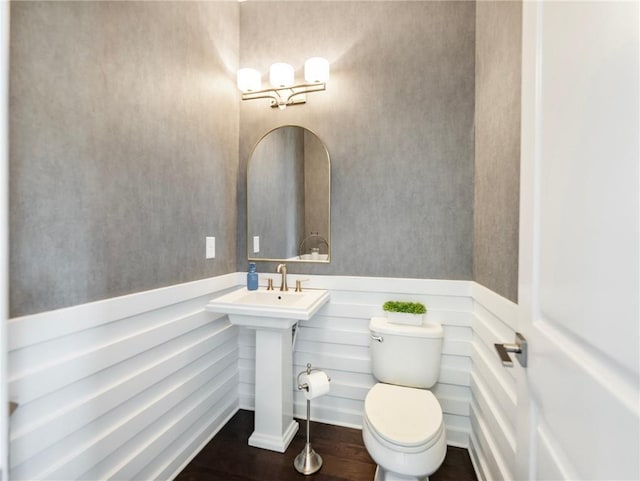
282, 269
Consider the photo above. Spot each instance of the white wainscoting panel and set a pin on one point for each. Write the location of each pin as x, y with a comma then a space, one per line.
336, 340
493, 387
133, 387
125, 388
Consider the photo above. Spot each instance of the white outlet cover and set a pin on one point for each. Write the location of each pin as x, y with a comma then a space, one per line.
210, 249
256, 244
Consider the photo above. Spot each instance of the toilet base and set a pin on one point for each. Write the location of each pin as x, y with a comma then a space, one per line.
384, 475
395, 465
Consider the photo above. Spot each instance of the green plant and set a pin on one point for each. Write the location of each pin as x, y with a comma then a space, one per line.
408, 307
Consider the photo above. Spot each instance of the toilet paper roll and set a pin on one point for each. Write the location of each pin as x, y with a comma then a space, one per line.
318, 383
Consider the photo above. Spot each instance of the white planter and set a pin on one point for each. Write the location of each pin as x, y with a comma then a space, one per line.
405, 318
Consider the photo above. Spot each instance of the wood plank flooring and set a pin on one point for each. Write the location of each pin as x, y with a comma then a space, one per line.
228, 457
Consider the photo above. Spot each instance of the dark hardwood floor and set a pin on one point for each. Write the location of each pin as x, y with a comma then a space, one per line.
228, 457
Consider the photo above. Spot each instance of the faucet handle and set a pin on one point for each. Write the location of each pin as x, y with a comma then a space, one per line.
299, 284
269, 284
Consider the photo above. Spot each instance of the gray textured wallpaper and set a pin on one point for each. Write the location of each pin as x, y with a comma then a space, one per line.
497, 178
129, 143
397, 119
124, 137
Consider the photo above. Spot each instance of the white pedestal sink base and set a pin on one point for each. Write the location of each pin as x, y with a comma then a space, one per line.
274, 426
271, 314
274, 443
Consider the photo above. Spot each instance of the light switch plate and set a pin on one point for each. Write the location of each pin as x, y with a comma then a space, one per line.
256, 244
210, 249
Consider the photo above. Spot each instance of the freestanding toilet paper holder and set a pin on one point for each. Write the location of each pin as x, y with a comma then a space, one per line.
308, 461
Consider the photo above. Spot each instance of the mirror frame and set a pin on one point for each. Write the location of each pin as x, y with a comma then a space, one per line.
265, 259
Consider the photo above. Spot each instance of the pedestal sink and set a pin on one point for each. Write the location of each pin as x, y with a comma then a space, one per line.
271, 314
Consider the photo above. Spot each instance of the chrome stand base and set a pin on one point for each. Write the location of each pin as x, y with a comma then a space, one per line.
308, 461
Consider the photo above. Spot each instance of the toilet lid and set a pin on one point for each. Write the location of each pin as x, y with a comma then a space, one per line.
403, 415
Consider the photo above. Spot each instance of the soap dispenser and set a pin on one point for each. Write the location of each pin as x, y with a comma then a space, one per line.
252, 277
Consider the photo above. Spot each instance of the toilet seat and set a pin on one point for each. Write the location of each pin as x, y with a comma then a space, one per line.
403, 418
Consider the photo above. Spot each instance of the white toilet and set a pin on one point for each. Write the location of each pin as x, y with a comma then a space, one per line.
403, 427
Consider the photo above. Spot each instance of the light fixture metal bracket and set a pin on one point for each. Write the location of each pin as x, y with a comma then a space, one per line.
285, 96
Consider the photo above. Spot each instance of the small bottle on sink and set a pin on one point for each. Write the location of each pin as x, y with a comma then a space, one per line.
252, 277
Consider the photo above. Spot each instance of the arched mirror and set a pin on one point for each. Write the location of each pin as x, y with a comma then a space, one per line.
289, 197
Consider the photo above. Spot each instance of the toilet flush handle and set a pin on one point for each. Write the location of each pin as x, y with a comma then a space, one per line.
377, 338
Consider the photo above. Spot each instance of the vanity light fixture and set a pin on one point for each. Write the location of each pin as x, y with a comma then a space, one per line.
284, 90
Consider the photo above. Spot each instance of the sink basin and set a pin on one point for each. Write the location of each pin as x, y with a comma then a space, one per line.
297, 306
271, 314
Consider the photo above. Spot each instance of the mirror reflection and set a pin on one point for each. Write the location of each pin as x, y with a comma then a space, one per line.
288, 197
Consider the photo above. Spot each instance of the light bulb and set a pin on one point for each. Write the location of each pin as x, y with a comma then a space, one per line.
249, 80
281, 75
316, 70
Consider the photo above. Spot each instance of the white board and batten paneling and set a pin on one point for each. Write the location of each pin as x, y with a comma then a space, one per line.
133, 387
493, 387
337, 341
126, 388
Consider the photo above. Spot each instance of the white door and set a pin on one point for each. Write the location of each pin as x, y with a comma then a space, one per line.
579, 246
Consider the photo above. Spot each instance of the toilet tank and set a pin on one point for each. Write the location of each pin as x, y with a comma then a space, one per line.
405, 355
